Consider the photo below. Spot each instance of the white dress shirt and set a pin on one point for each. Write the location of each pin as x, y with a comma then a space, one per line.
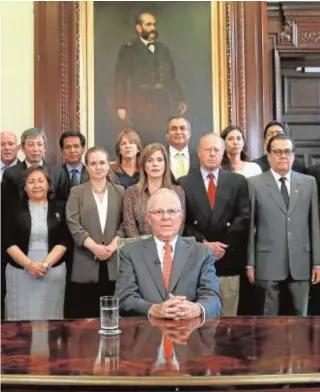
205, 174
32, 164
160, 248
277, 179
185, 155
102, 206
151, 47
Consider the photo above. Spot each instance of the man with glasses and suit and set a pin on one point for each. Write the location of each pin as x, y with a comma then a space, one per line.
284, 239
167, 276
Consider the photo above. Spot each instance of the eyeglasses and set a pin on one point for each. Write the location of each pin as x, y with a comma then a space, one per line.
161, 213
278, 152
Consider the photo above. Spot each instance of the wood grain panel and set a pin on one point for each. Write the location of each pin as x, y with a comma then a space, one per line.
56, 71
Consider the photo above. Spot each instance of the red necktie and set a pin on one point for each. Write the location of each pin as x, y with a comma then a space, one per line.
211, 190
167, 351
167, 265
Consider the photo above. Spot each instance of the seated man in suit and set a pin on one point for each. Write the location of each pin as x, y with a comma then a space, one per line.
72, 145
33, 145
271, 129
218, 215
180, 158
167, 276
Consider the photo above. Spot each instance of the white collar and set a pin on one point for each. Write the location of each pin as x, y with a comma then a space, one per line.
173, 151
160, 244
30, 164
277, 176
205, 173
12, 164
145, 42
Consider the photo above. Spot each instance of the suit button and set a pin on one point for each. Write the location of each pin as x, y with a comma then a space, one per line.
195, 222
289, 219
228, 224
289, 234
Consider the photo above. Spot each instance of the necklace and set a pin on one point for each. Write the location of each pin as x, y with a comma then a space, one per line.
99, 191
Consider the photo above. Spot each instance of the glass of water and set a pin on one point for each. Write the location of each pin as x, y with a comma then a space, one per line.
109, 316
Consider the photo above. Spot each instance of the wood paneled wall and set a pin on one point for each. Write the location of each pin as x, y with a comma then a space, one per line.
256, 35
56, 71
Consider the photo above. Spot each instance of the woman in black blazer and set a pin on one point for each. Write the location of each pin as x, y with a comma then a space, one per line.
35, 237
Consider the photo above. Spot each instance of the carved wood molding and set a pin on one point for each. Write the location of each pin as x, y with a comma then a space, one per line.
56, 70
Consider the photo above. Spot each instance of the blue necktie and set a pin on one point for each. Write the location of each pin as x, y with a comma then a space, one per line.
74, 178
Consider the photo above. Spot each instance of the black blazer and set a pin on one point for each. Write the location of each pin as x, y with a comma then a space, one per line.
298, 164
13, 176
194, 164
227, 222
16, 228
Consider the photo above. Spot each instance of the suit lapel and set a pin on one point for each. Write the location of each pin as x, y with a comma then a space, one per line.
181, 257
112, 197
24, 216
88, 199
294, 192
274, 191
221, 195
150, 257
200, 193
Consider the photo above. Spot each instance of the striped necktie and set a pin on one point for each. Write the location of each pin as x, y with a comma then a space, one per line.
74, 177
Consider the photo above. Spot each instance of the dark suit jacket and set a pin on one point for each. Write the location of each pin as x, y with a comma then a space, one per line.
194, 164
138, 70
13, 177
17, 225
298, 164
227, 222
83, 177
315, 172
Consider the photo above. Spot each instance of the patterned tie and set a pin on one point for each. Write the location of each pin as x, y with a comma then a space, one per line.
167, 265
211, 190
284, 191
181, 167
74, 178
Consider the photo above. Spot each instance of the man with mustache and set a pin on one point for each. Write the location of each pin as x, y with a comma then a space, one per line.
145, 81
284, 239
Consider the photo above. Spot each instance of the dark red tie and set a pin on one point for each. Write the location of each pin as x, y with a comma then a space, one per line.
211, 190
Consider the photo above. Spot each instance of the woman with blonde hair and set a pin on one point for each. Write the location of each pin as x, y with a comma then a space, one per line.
128, 149
154, 174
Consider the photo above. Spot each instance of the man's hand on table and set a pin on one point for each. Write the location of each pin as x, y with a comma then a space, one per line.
176, 308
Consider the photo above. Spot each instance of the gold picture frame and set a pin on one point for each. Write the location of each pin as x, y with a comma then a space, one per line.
86, 65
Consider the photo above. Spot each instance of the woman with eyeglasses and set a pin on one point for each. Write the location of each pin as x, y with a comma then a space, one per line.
154, 174
235, 156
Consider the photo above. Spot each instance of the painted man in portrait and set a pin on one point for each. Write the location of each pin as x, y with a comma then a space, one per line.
146, 90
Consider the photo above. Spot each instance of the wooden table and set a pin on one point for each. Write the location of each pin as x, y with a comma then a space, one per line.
252, 352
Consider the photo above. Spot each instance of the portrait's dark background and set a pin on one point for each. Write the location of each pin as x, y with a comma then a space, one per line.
185, 27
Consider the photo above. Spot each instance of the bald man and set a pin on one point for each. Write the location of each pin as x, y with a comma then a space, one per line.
9, 150
218, 215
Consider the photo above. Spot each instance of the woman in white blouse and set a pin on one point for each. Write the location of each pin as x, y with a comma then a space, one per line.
94, 217
235, 156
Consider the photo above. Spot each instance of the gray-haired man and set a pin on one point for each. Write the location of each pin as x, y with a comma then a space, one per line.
33, 145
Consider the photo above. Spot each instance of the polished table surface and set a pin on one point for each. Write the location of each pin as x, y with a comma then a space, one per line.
219, 352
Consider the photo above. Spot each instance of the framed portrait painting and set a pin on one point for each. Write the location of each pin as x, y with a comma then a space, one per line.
144, 62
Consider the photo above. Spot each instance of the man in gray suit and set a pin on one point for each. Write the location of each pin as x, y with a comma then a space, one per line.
284, 242
167, 276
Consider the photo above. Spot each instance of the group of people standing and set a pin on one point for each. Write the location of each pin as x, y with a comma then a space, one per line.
61, 225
